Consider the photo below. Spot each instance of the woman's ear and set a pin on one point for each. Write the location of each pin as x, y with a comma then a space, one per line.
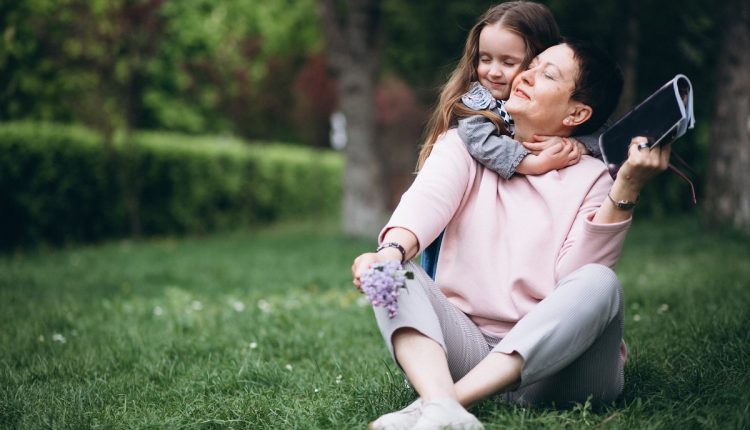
579, 114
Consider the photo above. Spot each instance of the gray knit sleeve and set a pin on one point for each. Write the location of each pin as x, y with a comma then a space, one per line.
591, 141
495, 152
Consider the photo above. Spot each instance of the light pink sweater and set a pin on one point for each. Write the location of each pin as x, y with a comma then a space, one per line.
507, 242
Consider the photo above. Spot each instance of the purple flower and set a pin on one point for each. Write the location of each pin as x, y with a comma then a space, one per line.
382, 284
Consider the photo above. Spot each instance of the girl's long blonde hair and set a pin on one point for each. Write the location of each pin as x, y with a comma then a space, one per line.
533, 22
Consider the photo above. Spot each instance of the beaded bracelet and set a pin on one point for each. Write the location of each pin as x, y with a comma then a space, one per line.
393, 245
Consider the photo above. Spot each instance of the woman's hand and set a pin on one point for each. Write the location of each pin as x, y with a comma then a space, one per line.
402, 236
642, 165
365, 261
360, 265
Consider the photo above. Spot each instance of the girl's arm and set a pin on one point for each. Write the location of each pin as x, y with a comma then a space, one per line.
507, 156
588, 142
496, 152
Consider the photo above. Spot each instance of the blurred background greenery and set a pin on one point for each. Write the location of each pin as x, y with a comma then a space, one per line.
264, 70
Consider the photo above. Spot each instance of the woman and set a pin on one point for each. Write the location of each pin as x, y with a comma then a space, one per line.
526, 303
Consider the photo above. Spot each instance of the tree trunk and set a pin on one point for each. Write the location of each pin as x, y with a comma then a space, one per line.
354, 49
629, 60
728, 188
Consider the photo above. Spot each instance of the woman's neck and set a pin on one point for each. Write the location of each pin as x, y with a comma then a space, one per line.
523, 135
526, 134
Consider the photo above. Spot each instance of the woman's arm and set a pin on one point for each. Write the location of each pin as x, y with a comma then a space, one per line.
641, 166
599, 232
399, 235
427, 206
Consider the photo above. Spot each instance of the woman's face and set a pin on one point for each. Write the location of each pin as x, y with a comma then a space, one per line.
501, 53
542, 93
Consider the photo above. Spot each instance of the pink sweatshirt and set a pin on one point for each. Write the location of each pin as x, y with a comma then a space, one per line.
507, 242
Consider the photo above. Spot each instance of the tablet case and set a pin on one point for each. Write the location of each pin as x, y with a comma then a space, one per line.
662, 118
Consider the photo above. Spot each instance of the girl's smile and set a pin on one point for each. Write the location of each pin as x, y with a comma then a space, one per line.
501, 54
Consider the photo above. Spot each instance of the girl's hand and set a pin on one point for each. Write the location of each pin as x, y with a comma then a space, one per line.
561, 155
541, 143
555, 157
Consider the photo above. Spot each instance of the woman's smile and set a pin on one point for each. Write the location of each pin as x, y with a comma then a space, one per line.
521, 93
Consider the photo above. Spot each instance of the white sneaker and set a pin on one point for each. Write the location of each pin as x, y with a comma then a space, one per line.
446, 414
399, 420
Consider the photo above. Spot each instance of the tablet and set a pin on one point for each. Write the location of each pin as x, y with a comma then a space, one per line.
662, 118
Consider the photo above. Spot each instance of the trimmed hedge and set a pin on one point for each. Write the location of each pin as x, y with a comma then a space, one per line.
58, 184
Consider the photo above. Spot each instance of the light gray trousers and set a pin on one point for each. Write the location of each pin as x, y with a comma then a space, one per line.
570, 341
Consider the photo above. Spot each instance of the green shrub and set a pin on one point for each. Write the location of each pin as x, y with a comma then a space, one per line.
59, 184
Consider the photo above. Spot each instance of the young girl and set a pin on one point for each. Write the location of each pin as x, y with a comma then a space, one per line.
506, 38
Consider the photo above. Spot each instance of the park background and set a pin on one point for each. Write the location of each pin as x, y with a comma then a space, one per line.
176, 231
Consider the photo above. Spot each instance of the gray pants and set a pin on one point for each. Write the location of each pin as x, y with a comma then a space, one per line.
570, 341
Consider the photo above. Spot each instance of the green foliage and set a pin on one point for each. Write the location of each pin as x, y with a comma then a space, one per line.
263, 330
60, 185
55, 184
192, 66
425, 40
253, 68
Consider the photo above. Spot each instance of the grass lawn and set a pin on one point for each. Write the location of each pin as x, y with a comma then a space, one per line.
263, 330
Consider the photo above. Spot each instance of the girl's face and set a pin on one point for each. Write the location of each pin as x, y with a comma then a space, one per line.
501, 53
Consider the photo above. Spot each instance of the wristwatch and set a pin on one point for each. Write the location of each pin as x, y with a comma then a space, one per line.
622, 204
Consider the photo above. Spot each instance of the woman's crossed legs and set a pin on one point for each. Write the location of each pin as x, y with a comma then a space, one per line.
565, 350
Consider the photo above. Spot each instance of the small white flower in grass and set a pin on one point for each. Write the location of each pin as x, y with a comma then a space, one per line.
338, 379
238, 306
264, 306
636, 317
158, 311
253, 345
57, 337
663, 308
289, 367
196, 305
317, 390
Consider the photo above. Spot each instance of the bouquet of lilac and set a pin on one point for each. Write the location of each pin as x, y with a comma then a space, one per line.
382, 284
